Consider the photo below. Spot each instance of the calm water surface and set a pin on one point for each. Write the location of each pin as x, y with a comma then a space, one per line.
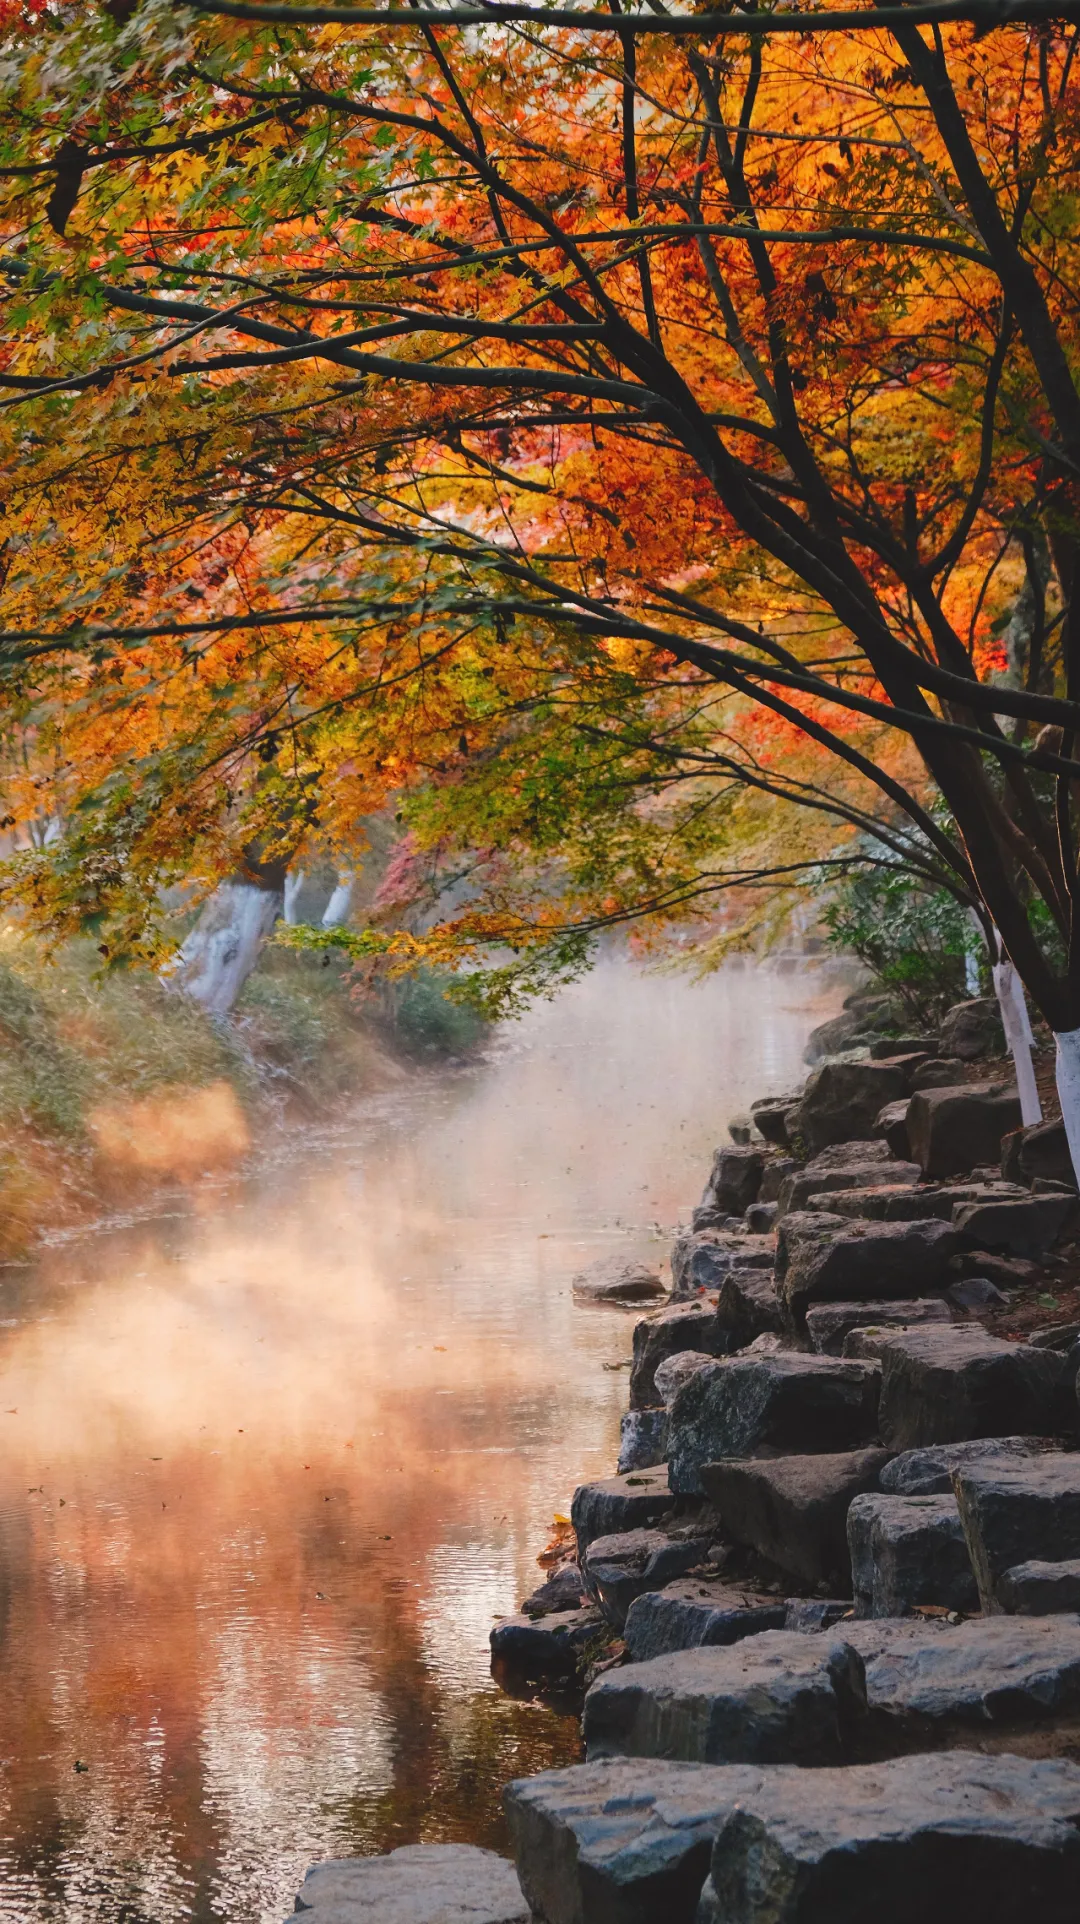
272, 1464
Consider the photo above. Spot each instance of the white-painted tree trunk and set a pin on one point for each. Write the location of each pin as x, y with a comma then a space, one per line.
971, 957
1017, 1025
337, 909
1068, 1086
294, 882
219, 953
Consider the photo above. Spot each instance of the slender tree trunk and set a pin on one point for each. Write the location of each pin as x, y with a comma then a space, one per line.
1017, 1026
219, 953
337, 909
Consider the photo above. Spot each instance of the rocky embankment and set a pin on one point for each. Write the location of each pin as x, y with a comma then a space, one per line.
827, 1615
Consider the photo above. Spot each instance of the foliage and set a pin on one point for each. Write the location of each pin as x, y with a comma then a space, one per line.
913, 940
428, 1020
625, 450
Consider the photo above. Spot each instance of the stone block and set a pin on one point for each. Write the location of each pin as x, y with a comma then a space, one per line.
620, 1503
677, 1370
953, 1130
753, 1404
418, 1884
943, 1385
1018, 1510
695, 1611
735, 1179
821, 1258
611, 1279
778, 1698
643, 1438
549, 1647
906, 1551
827, 1324
746, 1308
930, 1838
1039, 1153
891, 1123
1018, 1226
793, 1509
1040, 1589
701, 1259
770, 1118
681, 1326
841, 1100
815, 1182
929, 1472
760, 1218
972, 1029
900, 1202
927, 1682
617, 1569
777, 1168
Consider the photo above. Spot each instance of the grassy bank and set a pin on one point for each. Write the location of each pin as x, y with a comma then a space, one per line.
112, 1090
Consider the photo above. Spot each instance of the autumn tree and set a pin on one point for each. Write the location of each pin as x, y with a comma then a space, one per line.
398, 367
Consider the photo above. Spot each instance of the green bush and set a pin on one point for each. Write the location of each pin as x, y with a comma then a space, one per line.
914, 940
425, 1021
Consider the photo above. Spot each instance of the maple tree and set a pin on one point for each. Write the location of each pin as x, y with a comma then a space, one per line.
556, 410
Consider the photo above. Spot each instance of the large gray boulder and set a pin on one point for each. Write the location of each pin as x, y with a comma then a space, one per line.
549, 1647
617, 1569
681, 1326
929, 1472
1039, 1589
627, 1841
746, 1308
793, 1509
944, 1385
782, 1697
747, 1405
1018, 1510
953, 1130
797, 1189
972, 1029
418, 1884
929, 1838
770, 1117
827, 1324
1017, 1225
642, 1439
677, 1370
821, 1258
842, 1099
695, 1611
620, 1503
906, 1551
735, 1179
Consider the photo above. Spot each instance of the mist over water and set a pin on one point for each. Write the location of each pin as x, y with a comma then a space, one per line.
272, 1464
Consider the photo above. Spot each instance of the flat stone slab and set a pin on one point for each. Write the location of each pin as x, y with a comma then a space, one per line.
1018, 1510
900, 1203
617, 1569
817, 1182
418, 1884
1040, 1589
929, 1472
906, 1551
611, 1279
549, 1646
926, 1680
943, 1385
827, 1324
781, 1697
793, 1509
618, 1503
746, 1405
822, 1258
694, 1611
628, 1841
930, 1838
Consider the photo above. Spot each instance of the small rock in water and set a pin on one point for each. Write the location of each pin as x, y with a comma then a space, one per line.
564, 1590
613, 1280
547, 1649
419, 1884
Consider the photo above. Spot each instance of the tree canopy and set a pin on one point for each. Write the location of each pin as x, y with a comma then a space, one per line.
606, 432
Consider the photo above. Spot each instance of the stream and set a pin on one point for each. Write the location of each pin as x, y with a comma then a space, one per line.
274, 1460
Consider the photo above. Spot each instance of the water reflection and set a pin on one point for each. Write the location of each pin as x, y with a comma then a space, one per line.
272, 1465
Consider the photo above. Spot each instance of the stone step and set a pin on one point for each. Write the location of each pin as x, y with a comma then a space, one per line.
946, 1385
939, 1839
841, 1100
793, 1509
680, 1326
616, 1569
695, 1611
927, 1682
620, 1503
906, 1551
745, 1405
953, 1130
929, 1472
556, 1646
821, 1257
418, 1884
827, 1324
1014, 1225
1015, 1511
701, 1259
817, 1182
1037, 1589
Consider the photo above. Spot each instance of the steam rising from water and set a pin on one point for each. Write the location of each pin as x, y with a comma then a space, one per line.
271, 1467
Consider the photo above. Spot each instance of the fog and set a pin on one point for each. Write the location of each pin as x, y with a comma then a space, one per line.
274, 1462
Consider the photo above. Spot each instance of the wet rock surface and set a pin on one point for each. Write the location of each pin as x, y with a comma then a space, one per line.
547, 1647
418, 1884
907, 1551
793, 1510
748, 1404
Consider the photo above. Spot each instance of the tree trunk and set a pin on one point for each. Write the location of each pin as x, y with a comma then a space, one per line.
219, 953
337, 909
1014, 1017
